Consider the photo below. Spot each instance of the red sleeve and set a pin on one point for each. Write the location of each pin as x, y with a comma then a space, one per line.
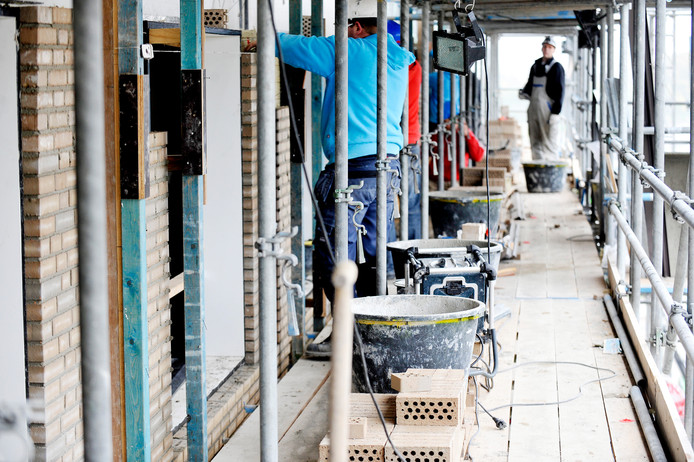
474, 149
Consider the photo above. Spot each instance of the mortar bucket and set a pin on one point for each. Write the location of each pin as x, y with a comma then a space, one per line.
450, 209
400, 332
444, 248
542, 176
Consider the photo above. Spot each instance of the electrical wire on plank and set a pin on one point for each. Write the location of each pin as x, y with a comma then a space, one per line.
501, 424
319, 217
563, 401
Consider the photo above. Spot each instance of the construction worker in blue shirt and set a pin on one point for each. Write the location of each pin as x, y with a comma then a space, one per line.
317, 55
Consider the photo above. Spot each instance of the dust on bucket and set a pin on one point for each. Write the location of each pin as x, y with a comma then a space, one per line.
450, 209
543, 176
399, 332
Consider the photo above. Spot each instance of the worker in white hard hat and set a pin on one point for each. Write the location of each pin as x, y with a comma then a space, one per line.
545, 90
317, 55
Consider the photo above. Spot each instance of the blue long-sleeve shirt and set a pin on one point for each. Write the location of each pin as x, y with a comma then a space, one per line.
317, 55
434, 96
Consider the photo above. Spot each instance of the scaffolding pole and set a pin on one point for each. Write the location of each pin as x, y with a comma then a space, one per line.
689, 374
656, 320
424, 53
405, 124
623, 127
341, 127
91, 201
440, 108
382, 146
639, 66
452, 146
603, 125
267, 205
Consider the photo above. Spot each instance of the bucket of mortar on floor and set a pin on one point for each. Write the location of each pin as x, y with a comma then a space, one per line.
543, 176
450, 209
399, 332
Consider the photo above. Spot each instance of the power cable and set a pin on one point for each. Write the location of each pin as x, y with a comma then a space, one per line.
501, 424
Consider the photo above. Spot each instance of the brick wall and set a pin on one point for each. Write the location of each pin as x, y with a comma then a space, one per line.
284, 221
50, 232
249, 155
158, 308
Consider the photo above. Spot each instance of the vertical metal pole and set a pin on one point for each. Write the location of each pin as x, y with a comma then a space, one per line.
297, 210
316, 143
610, 42
441, 100
603, 126
344, 277
689, 375
405, 124
637, 128
91, 200
454, 139
341, 145
623, 127
657, 317
463, 118
382, 146
267, 205
426, 37
316, 97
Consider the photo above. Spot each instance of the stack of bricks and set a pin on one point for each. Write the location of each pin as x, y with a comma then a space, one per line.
476, 176
504, 133
216, 18
284, 223
158, 308
428, 414
50, 230
249, 154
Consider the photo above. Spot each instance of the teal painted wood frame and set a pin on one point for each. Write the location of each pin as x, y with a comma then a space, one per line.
194, 295
296, 173
130, 37
191, 34
135, 331
134, 261
193, 261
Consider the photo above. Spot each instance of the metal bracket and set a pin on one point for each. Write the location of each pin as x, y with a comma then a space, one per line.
345, 195
658, 339
678, 196
267, 246
678, 309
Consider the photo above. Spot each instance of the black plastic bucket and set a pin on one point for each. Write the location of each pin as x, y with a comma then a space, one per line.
544, 176
454, 248
399, 332
450, 209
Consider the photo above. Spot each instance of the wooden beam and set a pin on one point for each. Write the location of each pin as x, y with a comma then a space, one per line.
135, 331
193, 124
193, 151
171, 37
134, 134
134, 156
176, 285
115, 300
194, 281
666, 416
